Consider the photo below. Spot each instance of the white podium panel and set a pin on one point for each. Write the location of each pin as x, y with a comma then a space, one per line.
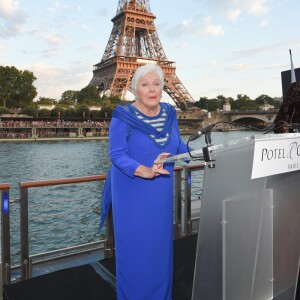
248, 239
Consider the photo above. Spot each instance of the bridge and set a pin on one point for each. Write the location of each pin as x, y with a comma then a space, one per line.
259, 119
266, 116
256, 118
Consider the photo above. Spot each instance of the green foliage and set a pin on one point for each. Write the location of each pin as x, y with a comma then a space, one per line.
88, 94
221, 98
95, 114
83, 111
265, 99
4, 110
209, 104
16, 87
244, 98
47, 101
244, 103
44, 113
30, 111
71, 113
57, 112
69, 97
106, 112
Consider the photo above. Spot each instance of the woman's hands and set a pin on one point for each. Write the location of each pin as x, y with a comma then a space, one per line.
156, 170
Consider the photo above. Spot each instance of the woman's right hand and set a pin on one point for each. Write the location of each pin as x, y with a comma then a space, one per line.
156, 170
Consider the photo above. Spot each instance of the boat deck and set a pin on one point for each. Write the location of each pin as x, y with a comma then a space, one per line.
97, 280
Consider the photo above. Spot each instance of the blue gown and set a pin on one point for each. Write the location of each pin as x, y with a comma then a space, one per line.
142, 213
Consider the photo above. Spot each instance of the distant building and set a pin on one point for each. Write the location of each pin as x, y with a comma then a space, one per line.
46, 106
95, 108
266, 107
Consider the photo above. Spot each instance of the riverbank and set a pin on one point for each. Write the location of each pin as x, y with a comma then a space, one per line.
47, 139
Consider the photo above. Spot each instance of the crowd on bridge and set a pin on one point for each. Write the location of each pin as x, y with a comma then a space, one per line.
53, 124
16, 129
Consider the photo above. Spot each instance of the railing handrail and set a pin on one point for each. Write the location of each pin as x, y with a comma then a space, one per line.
5, 235
4, 186
49, 182
61, 181
183, 226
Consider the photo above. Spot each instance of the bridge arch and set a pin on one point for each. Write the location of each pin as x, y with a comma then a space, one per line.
260, 118
251, 121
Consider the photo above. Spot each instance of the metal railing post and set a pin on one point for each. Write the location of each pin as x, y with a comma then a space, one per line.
5, 264
110, 239
24, 233
177, 202
186, 204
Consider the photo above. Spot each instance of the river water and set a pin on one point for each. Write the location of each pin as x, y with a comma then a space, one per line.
68, 215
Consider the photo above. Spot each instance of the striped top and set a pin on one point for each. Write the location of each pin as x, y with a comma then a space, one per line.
157, 122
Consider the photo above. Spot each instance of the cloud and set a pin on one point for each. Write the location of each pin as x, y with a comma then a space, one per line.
54, 39
282, 46
257, 7
214, 63
12, 18
233, 9
240, 67
102, 12
2, 48
86, 28
53, 81
264, 23
211, 29
195, 26
233, 14
51, 52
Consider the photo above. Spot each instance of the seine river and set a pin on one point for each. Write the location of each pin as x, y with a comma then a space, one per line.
67, 215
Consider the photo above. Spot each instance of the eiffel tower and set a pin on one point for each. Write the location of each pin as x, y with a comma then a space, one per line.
134, 42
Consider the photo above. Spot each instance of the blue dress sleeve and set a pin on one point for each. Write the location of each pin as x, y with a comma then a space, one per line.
118, 148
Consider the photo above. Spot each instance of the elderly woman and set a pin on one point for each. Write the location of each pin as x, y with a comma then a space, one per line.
141, 190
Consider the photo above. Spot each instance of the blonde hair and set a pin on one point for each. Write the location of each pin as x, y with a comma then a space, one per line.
143, 70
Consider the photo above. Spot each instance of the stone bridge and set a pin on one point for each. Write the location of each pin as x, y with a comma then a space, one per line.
250, 118
267, 116
259, 119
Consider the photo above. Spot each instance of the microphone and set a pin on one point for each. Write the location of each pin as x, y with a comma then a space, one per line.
205, 130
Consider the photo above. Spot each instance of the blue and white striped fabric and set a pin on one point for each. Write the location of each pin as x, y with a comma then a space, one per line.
157, 122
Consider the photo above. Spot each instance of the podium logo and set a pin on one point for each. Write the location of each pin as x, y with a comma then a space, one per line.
276, 155
293, 151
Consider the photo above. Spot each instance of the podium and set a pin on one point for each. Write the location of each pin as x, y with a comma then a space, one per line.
249, 230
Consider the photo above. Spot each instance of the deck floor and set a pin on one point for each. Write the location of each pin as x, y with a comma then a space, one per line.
84, 283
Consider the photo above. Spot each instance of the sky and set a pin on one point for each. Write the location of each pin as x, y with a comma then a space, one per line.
220, 47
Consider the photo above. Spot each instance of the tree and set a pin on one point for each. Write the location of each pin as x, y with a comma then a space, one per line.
47, 101
221, 98
88, 94
3, 110
30, 111
202, 103
44, 113
244, 98
83, 111
243, 103
264, 99
16, 87
57, 112
106, 112
69, 97
71, 113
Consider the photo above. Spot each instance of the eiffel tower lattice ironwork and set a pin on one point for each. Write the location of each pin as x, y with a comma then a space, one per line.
134, 42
